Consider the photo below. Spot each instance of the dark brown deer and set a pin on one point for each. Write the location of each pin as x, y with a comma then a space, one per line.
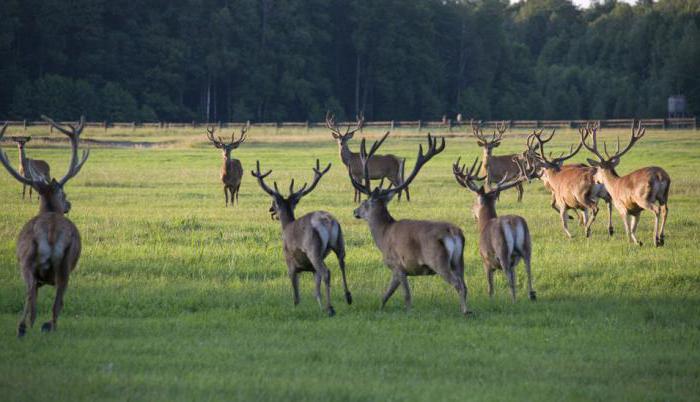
410, 247
496, 167
572, 186
40, 166
48, 247
503, 240
307, 240
390, 167
635, 192
231, 170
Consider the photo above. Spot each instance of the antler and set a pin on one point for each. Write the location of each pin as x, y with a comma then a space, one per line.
637, 133
318, 173
497, 135
234, 143
261, 180
467, 178
73, 134
562, 157
304, 190
5, 162
422, 159
331, 124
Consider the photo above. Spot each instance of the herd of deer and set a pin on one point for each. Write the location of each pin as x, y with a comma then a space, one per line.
48, 246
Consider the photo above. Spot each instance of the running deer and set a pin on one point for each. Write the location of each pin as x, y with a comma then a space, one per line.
40, 166
48, 247
572, 186
503, 240
495, 168
410, 247
307, 240
390, 167
231, 170
635, 192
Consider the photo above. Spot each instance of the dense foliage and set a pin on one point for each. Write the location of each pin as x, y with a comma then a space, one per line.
182, 60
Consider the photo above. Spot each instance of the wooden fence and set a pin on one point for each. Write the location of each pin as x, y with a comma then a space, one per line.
674, 123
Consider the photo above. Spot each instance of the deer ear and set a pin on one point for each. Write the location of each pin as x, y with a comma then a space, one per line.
495, 144
349, 136
592, 162
614, 161
480, 143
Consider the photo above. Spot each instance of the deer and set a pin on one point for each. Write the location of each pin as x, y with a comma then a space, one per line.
410, 247
49, 245
40, 166
390, 167
231, 170
309, 239
635, 192
503, 240
495, 167
572, 186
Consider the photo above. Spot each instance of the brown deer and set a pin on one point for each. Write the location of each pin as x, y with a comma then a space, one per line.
572, 186
503, 240
307, 240
410, 247
231, 170
635, 192
390, 167
495, 168
40, 166
48, 247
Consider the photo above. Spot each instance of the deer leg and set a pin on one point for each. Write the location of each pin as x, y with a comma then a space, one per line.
626, 222
532, 295
656, 210
61, 285
327, 281
664, 214
406, 290
589, 219
393, 285
610, 226
510, 275
489, 279
24, 190
29, 306
226, 194
408, 195
238, 190
519, 187
341, 264
634, 221
563, 216
294, 278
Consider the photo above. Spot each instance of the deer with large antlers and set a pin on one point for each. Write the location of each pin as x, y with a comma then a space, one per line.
48, 247
572, 186
40, 166
410, 247
503, 240
390, 167
231, 170
309, 239
496, 167
637, 191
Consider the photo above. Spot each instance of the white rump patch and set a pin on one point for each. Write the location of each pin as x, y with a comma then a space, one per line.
323, 234
509, 237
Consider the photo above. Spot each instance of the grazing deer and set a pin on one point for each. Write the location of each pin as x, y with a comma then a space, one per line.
48, 247
231, 170
40, 166
307, 240
495, 168
503, 240
635, 192
390, 167
572, 186
410, 247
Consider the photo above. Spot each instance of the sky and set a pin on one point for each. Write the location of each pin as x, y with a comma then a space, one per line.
586, 3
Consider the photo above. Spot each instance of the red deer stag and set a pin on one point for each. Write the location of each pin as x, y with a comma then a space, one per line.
503, 240
40, 166
495, 168
390, 167
410, 247
635, 192
572, 186
307, 240
48, 247
231, 170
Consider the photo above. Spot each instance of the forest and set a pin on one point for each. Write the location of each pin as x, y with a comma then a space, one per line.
292, 60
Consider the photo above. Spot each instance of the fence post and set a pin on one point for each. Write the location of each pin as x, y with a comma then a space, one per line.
307, 126
420, 125
104, 124
391, 126
24, 124
133, 126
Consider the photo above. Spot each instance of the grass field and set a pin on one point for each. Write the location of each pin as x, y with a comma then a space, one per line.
177, 298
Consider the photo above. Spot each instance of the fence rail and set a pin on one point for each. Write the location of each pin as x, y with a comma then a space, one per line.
672, 123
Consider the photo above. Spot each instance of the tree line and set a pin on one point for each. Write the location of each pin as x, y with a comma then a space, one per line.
292, 60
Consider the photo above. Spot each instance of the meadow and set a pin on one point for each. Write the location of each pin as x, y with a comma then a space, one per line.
178, 298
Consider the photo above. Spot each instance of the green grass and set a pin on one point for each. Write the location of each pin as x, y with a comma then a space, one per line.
176, 297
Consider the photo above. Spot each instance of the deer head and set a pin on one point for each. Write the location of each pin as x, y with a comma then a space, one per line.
340, 137
540, 158
379, 197
53, 198
283, 207
608, 162
485, 142
21, 141
227, 146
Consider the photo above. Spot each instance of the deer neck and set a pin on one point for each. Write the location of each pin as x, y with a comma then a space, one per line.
345, 154
286, 215
379, 221
608, 177
49, 203
20, 148
486, 212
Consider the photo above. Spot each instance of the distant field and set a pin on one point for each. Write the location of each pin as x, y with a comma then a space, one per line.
178, 298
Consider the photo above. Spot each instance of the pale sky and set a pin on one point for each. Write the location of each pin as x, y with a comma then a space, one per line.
586, 3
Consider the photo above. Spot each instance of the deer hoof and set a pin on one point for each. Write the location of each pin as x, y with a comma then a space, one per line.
21, 330
47, 327
533, 296
331, 311
468, 313
611, 231
348, 297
